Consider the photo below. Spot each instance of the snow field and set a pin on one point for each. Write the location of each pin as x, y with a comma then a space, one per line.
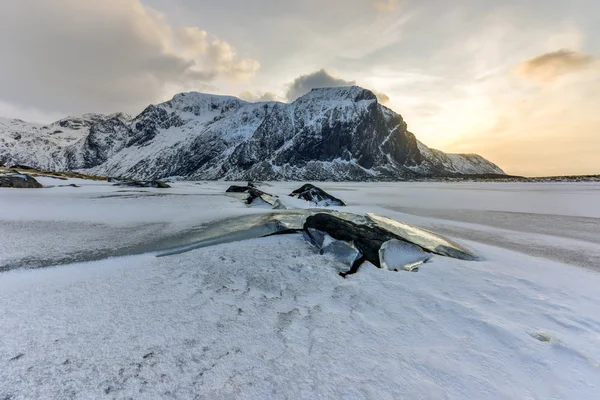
270, 317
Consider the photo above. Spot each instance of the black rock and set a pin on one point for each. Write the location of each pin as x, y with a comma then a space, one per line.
238, 189
161, 185
145, 184
253, 193
19, 181
20, 166
367, 239
316, 195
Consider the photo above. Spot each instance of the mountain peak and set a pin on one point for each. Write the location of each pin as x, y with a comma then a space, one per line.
339, 133
191, 99
352, 93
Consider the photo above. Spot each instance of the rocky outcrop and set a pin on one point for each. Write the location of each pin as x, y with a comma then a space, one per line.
19, 181
316, 196
239, 189
423, 238
253, 193
386, 243
352, 238
144, 184
368, 240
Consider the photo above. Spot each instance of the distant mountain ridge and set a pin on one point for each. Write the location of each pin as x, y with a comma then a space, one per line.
333, 134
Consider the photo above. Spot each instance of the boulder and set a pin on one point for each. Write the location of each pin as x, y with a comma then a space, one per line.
253, 193
145, 184
19, 181
381, 247
238, 189
316, 196
160, 184
423, 238
366, 239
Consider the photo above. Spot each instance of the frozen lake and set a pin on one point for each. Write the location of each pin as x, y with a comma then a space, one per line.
554, 221
270, 317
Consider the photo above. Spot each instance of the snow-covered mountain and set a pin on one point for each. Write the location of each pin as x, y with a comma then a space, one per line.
328, 134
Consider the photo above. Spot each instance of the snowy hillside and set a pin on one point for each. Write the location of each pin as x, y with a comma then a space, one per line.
328, 134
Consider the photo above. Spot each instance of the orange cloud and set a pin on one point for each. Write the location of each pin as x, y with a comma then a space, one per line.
386, 5
547, 67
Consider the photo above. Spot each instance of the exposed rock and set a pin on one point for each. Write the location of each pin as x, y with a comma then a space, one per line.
386, 243
423, 238
366, 239
351, 238
19, 181
317, 196
20, 166
145, 184
238, 189
253, 193
116, 180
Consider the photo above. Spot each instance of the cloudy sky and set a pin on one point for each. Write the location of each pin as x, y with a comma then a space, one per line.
515, 81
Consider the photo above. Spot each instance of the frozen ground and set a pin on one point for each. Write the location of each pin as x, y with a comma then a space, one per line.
269, 318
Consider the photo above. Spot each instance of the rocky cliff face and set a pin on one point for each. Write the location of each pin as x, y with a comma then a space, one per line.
328, 134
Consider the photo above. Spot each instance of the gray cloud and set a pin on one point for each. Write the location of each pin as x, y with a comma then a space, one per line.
320, 79
382, 97
549, 66
74, 56
255, 97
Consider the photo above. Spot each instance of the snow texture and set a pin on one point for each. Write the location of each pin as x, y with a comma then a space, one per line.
270, 317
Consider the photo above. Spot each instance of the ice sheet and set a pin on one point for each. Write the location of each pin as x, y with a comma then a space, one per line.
396, 255
423, 238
